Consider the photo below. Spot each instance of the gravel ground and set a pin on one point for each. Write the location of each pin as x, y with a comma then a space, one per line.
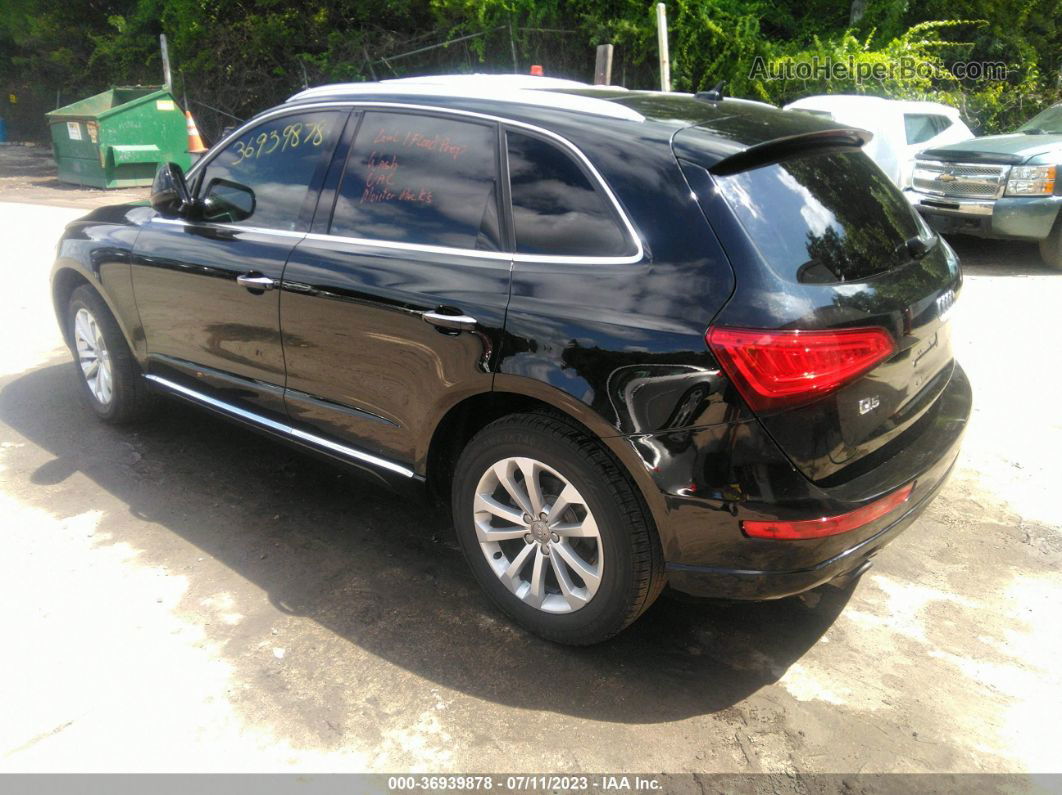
27, 175
186, 595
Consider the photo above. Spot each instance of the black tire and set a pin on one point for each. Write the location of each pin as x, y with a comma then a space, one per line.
129, 397
633, 574
1051, 247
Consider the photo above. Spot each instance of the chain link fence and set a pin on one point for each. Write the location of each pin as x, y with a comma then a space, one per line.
222, 90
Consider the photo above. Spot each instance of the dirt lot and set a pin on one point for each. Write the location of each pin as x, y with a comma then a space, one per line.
27, 175
188, 596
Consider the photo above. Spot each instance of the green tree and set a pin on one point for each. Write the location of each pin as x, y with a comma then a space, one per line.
234, 57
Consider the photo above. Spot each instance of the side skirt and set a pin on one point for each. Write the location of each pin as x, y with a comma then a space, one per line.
319, 443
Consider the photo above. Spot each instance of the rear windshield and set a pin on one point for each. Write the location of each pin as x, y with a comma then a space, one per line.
824, 217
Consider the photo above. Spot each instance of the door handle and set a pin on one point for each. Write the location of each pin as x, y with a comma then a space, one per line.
254, 281
451, 322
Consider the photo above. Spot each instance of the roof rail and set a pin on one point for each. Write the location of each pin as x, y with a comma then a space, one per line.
479, 79
514, 89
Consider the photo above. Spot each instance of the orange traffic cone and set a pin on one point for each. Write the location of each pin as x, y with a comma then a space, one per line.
195, 143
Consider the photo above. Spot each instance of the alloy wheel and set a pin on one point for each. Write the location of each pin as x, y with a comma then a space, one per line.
93, 356
538, 535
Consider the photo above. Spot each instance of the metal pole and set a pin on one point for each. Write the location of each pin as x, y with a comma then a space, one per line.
661, 40
368, 62
512, 46
167, 77
603, 65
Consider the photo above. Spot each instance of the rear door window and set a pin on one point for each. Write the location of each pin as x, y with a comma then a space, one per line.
421, 179
920, 127
824, 217
557, 210
942, 123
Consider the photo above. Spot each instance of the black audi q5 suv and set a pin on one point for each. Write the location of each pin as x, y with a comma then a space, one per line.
634, 339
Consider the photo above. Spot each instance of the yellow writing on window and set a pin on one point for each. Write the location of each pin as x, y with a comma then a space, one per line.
292, 136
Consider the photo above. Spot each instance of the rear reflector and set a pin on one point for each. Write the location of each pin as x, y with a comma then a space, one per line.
776, 369
828, 525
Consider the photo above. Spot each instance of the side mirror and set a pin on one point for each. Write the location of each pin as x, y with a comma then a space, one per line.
169, 192
227, 202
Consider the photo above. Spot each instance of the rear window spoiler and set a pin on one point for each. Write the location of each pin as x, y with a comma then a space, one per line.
778, 149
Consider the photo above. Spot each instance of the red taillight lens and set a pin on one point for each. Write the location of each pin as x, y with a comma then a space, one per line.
828, 525
773, 369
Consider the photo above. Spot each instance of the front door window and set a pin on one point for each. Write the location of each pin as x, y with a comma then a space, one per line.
263, 178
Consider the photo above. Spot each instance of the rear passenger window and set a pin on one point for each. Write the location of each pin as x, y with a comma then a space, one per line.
556, 209
921, 127
942, 123
423, 180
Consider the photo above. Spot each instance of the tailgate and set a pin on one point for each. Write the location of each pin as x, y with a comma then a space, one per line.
821, 239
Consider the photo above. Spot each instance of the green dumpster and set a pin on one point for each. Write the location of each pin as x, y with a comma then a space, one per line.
117, 139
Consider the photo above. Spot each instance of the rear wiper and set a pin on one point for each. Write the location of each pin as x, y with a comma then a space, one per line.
917, 247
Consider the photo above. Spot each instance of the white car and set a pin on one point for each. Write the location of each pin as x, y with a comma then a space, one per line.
901, 128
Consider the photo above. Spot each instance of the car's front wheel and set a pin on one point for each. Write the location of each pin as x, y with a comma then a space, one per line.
1051, 247
554, 531
106, 370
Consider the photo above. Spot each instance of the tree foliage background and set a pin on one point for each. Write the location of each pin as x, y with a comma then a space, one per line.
234, 57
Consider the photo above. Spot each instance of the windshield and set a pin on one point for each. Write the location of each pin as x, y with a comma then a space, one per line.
1049, 121
824, 218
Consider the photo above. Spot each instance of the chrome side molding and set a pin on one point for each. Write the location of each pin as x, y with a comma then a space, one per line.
283, 428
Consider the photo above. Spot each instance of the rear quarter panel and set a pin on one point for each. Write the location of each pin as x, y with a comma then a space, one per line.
625, 340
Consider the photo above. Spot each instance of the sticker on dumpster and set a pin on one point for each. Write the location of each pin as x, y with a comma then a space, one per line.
164, 104
73, 129
93, 131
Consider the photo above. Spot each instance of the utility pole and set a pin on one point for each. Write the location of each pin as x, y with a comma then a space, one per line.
512, 46
661, 40
167, 77
603, 65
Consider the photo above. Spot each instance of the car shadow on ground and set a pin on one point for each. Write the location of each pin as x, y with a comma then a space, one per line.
982, 257
381, 573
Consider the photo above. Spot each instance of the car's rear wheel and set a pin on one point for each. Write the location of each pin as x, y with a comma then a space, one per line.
107, 372
1051, 247
554, 531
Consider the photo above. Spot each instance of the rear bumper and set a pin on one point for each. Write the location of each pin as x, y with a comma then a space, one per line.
1015, 217
709, 582
707, 554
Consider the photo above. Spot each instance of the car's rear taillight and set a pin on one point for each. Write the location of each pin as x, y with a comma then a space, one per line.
776, 369
828, 525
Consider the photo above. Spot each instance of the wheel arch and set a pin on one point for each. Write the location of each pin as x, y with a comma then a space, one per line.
468, 416
65, 280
